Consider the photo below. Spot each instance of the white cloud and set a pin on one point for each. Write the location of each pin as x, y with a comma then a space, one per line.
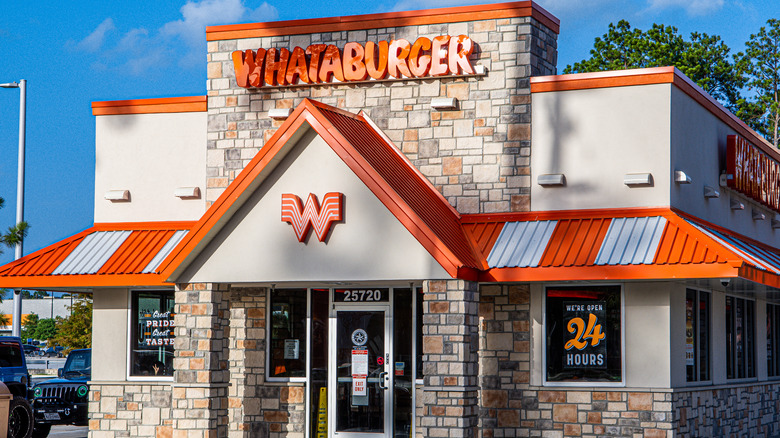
94, 41
183, 39
692, 7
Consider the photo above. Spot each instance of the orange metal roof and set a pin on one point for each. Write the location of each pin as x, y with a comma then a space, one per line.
117, 254
591, 245
369, 154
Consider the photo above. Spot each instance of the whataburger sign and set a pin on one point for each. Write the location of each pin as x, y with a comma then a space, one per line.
753, 172
320, 63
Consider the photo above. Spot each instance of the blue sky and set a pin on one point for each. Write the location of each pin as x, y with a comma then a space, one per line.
74, 53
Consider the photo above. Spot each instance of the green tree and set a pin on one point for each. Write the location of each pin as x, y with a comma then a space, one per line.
15, 234
34, 294
75, 331
761, 63
47, 329
30, 326
705, 59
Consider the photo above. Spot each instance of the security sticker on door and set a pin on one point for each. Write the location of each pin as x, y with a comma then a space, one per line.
359, 362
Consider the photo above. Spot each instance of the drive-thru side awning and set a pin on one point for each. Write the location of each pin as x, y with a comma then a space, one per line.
629, 244
109, 254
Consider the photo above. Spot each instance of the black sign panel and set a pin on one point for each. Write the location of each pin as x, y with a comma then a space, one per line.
585, 342
367, 295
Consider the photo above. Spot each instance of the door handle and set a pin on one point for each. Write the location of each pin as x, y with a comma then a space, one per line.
382, 379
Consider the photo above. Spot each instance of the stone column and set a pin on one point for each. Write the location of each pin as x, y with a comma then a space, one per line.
450, 359
201, 377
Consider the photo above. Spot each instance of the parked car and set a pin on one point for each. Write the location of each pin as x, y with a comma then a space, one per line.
51, 351
63, 400
30, 349
13, 372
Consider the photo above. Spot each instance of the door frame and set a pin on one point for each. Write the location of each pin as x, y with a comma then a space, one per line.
387, 308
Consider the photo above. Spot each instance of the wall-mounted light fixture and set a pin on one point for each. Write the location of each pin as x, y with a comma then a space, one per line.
551, 179
776, 222
681, 177
736, 205
638, 179
724, 179
711, 192
187, 192
758, 215
118, 195
444, 103
279, 113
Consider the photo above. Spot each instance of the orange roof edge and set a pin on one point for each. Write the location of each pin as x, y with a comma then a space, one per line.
566, 214
150, 106
652, 76
307, 112
388, 19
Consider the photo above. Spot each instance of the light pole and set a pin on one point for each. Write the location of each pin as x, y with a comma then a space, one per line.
16, 328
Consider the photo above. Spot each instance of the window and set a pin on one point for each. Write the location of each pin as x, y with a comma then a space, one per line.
583, 327
773, 339
152, 334
287, 354
740, 338
697, 335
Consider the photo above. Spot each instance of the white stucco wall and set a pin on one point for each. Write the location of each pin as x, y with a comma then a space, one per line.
369, 244
109, 334
150, 155
596, 136
699, 149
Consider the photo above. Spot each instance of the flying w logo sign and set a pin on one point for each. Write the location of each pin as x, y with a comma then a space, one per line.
312, 215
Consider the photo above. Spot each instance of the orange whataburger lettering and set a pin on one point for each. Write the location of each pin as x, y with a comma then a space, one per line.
319, 63
304, 217
753, 172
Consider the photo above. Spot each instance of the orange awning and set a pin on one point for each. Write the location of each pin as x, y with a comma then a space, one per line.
111, 254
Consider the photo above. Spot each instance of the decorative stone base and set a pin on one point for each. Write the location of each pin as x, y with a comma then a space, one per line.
746, 411
130, 410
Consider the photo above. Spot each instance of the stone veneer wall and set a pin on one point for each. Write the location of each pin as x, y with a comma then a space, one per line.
449, 406
745, 411
510, 407
139, 409
478, 156
258, 408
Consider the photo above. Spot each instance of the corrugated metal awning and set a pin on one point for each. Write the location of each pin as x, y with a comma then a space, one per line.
120, 254
615, 245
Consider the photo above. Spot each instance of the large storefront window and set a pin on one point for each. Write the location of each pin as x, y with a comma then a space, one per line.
583, 326
152, 335
697, 335
287, 356
740, 338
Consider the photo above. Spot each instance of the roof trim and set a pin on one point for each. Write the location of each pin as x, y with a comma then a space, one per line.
185, 104
310, 113
564, 214
612, 272
60, 250
384, 20
652, 76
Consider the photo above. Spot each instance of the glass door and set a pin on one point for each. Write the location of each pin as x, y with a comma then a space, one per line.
361, 395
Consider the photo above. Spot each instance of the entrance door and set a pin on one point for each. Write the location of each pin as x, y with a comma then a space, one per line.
361, 383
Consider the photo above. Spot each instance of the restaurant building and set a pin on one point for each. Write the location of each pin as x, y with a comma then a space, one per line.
405, 224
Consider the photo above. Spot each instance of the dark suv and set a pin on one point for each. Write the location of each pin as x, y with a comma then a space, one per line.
13, 372
63, 400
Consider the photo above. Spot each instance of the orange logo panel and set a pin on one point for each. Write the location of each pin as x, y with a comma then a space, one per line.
312, 215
